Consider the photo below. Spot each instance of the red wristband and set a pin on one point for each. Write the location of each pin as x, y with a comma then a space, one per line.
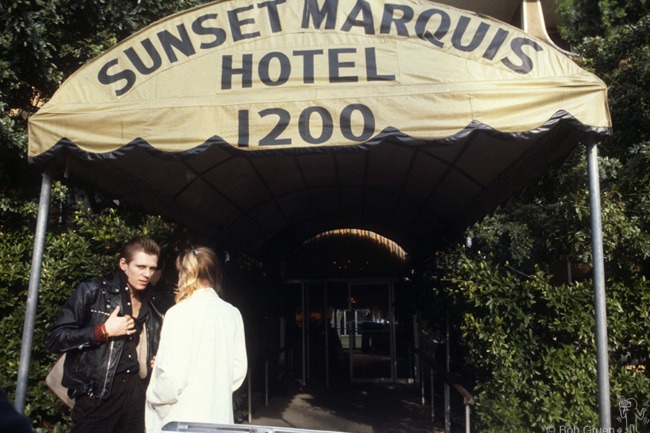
100, 334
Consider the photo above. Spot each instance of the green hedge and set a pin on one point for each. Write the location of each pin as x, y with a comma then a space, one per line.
530, 345
78, 245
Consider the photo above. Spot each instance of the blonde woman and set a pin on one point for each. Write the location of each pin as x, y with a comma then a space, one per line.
201, 359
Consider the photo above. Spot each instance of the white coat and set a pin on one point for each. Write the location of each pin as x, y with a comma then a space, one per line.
200, 362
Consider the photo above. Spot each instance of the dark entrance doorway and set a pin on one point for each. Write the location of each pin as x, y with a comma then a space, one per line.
371, 331
348, 330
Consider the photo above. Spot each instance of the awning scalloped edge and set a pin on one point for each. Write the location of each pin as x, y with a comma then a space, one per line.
388, 134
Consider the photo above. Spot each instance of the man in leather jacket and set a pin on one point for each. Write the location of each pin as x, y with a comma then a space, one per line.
109, 330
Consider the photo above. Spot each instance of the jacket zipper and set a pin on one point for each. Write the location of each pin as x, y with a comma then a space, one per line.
108, 366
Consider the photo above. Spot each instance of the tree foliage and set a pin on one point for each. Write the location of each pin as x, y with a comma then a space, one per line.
41, 44
525, 333
527, 340
78, 245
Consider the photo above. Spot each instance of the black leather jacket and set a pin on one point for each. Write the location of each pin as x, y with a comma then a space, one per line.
89, 366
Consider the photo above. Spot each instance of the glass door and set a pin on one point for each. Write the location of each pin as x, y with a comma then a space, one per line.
370, 332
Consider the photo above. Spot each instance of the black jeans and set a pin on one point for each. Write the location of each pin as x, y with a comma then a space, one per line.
121, 412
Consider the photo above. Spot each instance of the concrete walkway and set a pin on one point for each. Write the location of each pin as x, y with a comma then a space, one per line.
354, 408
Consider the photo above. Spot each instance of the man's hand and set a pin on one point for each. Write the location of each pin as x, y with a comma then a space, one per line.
119, 325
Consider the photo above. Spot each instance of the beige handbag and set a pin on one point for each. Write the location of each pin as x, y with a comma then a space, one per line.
53, 381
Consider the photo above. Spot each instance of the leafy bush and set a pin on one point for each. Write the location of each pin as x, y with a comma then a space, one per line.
85, 244
527, 338
530, 344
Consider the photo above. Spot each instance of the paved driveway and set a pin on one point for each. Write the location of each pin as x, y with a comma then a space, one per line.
354, 408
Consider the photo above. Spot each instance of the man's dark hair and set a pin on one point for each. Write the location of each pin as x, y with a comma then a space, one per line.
139, 243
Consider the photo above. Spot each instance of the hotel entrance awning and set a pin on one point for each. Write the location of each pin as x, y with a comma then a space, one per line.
251, 121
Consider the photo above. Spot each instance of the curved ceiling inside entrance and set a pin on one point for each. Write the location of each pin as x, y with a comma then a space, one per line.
257, 121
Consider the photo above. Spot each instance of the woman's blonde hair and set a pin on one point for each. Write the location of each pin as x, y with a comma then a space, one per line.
197, 268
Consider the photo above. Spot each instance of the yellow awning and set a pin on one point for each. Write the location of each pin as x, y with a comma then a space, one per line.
245, 118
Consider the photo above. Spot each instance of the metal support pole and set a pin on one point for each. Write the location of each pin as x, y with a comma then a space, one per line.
32, 292
599, 288
250, 395
433, 408
393, 333
304, 332
326, 322
422, 394
282, 357
352, 332
448, 367
447, 408
416, 355
467, 413
266, 382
